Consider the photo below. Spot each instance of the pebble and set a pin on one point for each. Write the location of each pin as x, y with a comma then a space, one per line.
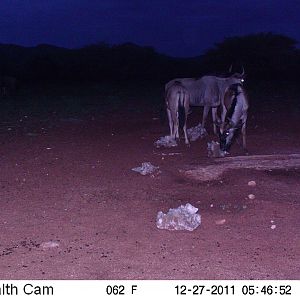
251, 196
49, 245
252, 183
220, 222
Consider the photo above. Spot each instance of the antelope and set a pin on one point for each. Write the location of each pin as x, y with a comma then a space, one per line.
208, 91
178, 102
236, 111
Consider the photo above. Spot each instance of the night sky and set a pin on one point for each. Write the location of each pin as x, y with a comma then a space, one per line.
175, 27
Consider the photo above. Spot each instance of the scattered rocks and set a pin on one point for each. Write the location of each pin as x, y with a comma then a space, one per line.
273, 226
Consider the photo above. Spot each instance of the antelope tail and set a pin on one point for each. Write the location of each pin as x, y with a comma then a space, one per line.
181, 110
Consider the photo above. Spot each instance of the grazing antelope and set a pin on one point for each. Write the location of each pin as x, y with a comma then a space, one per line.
208, 91
178, 102
235, 110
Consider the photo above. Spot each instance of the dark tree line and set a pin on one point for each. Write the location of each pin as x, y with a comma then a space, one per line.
264, 55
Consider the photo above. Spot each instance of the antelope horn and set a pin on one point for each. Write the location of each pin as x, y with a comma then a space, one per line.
243, 72
230, 69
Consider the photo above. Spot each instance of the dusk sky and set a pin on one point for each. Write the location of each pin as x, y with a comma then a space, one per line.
175, 27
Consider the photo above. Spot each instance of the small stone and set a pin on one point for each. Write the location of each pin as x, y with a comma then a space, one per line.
251, 196
49, 245
220, 222
273, 227
252, 183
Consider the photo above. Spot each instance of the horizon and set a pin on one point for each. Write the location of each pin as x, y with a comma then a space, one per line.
99, 44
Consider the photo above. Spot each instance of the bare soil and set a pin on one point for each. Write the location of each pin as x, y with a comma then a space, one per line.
69, 181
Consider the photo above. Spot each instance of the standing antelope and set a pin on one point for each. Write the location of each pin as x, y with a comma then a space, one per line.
236, 111
178, 102
208, 91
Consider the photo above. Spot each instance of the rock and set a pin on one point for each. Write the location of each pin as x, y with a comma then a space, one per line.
49, 245
220, 222
252, 183
214, 150
184, 217
146, 168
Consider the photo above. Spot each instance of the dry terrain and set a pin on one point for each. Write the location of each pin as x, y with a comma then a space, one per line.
72, 208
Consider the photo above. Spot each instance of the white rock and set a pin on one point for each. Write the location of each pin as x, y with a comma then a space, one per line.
165, 141
146, 168
252, 183
220, 222
251, 196
49, 245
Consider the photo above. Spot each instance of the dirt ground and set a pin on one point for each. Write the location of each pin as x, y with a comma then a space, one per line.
69, 181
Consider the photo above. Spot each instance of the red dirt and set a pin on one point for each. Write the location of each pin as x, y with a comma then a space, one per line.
81, 193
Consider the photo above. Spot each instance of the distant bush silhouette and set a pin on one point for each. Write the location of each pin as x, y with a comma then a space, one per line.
264, 55
91, 63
